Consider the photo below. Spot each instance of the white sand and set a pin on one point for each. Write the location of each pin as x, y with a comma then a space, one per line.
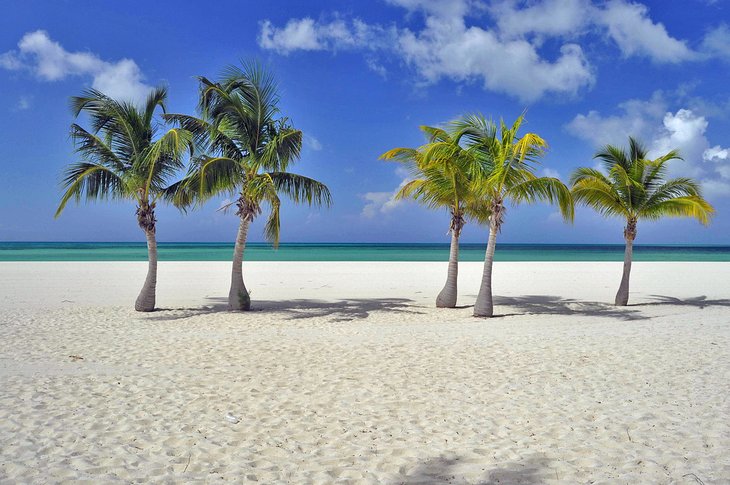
345, 373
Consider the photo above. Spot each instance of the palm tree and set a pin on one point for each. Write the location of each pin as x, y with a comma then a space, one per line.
121, 158
634, 188
442, 178
249, 150
507, 175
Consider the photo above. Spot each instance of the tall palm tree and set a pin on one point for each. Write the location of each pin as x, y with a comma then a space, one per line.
509, 175
634, 188
122, 158
442, 178
249, 148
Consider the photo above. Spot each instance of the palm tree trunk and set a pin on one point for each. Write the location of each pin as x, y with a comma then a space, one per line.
238, 297
146, 299
622, 296
484, 306
447, 297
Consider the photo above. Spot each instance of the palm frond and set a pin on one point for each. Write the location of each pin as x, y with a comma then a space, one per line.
692, 206
302, 189
90, 181
546, 189
272, 228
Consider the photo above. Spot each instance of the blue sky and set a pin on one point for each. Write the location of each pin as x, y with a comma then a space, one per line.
359, 78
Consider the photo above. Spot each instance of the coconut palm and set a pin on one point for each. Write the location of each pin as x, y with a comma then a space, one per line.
508, 174
249, 148
442, 178
122, 158
635, 187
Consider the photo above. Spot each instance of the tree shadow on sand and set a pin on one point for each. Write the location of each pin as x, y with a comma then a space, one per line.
555, 305
700, 302
442, 470
343, 310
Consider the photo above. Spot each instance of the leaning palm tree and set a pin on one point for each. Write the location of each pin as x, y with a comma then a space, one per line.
442, 178
121, 158
508, 174
249, 148
635, 187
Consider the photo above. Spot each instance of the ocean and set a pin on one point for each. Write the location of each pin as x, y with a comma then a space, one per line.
91, 251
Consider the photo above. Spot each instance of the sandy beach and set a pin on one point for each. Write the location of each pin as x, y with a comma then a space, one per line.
346, 373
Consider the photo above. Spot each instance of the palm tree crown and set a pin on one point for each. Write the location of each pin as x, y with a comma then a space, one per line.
509, 163
248, 148
635, 187
121, 156
442, 174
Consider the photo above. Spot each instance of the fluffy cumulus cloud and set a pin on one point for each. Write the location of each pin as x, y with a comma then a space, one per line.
446, 47
500, 43
634, 32
567, 17
309, 35
451, 49
49, 61
636, 118
662, 130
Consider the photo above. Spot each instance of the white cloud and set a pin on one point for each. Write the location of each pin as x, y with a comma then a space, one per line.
716, 154
638, 118
376, 67
721, 157
683, 131
549, 172
499, 43
297, 34
662, 131
49, 61
714, 188
310, 35
450, 49
312, 143
10, 61
567, 17
445, 48
380, 203
717, 42
634, 32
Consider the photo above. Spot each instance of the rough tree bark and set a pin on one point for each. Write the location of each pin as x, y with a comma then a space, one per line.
484, 306
146, 220
447, 297
238, 297
622, 296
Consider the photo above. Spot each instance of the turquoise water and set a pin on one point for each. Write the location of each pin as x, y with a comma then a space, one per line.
66, 251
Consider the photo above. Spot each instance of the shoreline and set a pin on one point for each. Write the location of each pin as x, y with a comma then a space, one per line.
367, 252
